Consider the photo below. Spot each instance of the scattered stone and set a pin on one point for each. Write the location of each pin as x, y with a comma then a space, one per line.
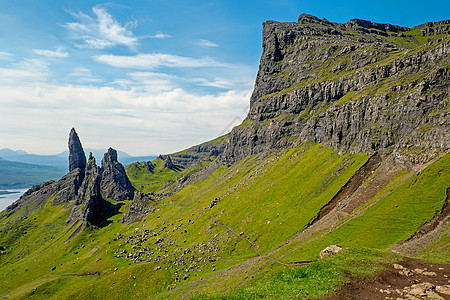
422, 290
406, 272
443, 289
214, 202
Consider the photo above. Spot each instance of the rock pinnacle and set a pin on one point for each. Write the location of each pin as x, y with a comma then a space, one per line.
77, 158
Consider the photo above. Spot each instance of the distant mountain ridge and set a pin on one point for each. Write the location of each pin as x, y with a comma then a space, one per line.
60, 159
22, 175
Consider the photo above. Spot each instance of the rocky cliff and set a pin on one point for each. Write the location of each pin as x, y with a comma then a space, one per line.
358, 87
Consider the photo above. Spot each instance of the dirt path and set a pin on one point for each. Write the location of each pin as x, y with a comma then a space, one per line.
409, 279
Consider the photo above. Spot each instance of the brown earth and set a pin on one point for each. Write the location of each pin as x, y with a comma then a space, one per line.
409, 279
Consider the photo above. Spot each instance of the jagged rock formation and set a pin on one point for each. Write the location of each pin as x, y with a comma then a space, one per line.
358, 87
88, 186
89, 204
114, 181
77, 158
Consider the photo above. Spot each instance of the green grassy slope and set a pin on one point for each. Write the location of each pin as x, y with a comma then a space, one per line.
186, 246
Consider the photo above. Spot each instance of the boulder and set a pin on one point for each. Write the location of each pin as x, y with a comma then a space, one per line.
330, 250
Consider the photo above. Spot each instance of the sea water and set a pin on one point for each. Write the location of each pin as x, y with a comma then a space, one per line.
7, 199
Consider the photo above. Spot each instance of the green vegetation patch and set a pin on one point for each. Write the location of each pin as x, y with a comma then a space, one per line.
314, 280
393, 218
152, 179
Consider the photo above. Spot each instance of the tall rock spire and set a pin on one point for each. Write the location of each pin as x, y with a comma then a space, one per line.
77, 158
115, 183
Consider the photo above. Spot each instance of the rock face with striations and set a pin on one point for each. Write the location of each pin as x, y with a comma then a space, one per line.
89, 204
77, 158
357, 87
114, 183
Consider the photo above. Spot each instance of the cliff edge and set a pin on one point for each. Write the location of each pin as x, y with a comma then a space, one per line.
359, 87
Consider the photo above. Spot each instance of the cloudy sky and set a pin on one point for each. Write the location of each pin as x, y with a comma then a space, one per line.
145, 76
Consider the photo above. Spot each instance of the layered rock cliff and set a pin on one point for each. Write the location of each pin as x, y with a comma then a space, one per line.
357, 87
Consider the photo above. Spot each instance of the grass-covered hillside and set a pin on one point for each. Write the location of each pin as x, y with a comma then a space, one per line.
346, 143
250, 230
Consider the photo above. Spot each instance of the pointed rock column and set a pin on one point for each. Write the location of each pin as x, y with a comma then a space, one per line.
67, 187
77, 158
115, 183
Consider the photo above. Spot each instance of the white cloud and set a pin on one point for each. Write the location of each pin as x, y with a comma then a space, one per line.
84, 75
205, 43
217, 82
101, 31
51, 53
157, 60
6, 56
28, 71
160, 35
132, 121
149, 82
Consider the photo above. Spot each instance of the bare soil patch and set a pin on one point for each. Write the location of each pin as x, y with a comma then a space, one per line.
409, 279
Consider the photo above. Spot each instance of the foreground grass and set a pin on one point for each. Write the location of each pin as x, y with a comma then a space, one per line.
319, 278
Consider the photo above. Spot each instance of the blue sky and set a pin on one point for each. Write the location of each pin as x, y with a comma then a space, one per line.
146, 77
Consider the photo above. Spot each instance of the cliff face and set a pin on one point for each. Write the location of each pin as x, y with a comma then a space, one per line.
357, 87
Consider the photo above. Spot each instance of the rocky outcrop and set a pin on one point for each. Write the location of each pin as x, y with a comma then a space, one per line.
357, 87
87, 188
109, 182
114, 182
77, 158
143, 204
89, 204
63, 191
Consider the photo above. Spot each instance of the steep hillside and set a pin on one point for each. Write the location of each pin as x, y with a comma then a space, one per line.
346, 143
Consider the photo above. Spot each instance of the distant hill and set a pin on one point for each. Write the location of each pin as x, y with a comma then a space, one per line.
23, 175
60, 159
24, 157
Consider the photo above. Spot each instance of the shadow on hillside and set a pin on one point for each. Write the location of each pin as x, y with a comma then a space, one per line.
109, 210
